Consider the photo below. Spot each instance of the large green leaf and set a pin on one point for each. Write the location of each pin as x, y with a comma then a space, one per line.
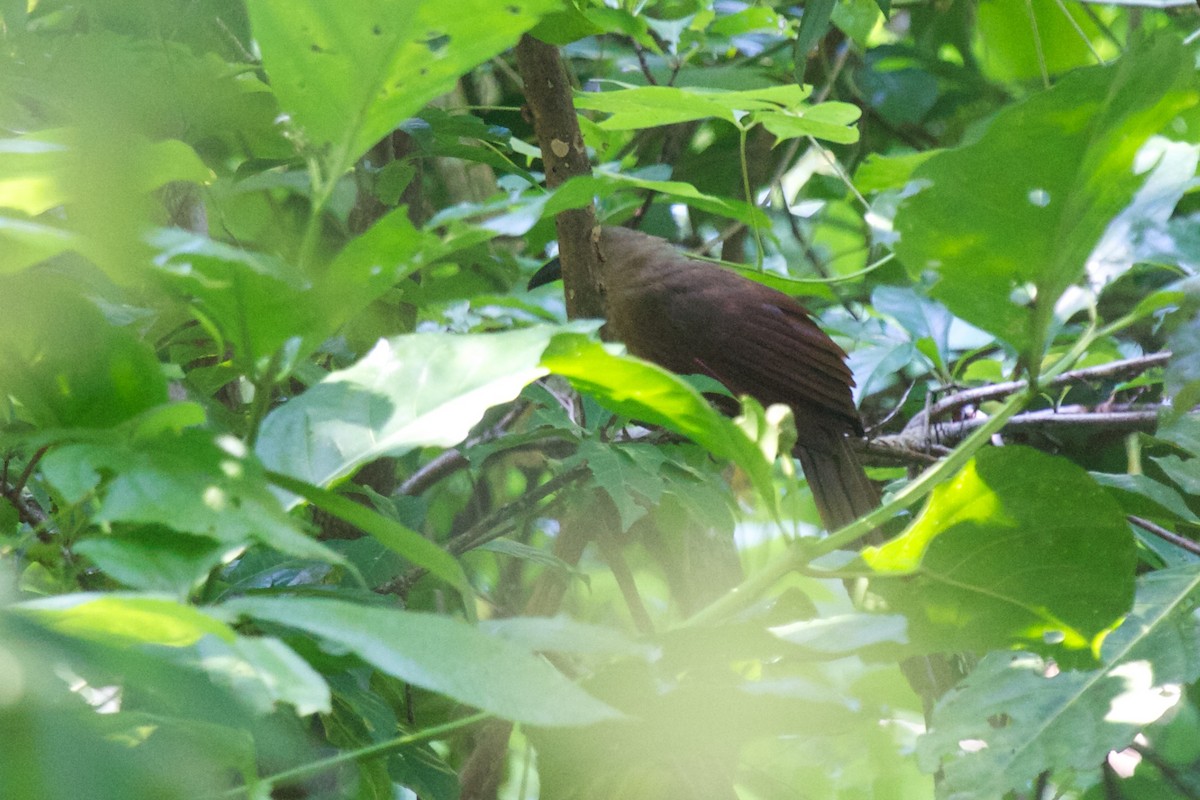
997, 557
1009, 221
651, 106
780, 109
189, 481
424, 389
129, 618
1021, 717
651, 394
350, 71
262, 305
26, 242
256, 301
64, 364
440, 654
41, 170
154, 558
1018, 39
261, 671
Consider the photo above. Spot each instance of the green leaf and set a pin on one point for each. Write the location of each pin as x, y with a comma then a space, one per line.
1011, 48
1146, 497
189, 481
646, 392
65, 364
258, 302
534, 555
349, 71
440, 654
1143, 227
998, 558
565, 635
831, 121
1009, 221
924, 319
396, 537
858, 19
1184, 472
1024, 718
265, 672
878, 172
262, 304
582, 190
1183, 372
129, 618
156, 559
26, 242
651, 106
565, 26
41, 170
631, 476
261, 671
425, 389
814, 24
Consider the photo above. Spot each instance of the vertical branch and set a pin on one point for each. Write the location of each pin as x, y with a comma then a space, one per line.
548, 95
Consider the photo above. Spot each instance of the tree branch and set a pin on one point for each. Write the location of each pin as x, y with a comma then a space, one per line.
914, 445
1114, 369
548, 94
449, 462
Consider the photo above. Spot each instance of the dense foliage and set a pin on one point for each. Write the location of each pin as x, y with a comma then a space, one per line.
304, 495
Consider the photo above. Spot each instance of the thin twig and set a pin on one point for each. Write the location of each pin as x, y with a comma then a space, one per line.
621, 573
641, 57
447, 463
491, 527
789, 154
29, 512
1181, 542
28, 471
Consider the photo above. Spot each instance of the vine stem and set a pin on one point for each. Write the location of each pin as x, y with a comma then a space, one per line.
358, 754
802, 553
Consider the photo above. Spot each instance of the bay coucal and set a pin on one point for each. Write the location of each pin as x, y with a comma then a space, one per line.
692, 317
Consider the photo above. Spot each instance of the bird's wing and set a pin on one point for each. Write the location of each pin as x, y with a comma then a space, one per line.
760, 342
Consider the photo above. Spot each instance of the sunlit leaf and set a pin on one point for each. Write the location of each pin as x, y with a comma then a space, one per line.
646, 392
997, 557
1008, 222
410, 391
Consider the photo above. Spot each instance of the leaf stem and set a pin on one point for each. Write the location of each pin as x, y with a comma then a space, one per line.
264, 387
758, 245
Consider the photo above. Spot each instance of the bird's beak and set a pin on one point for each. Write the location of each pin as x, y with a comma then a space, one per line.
552, 271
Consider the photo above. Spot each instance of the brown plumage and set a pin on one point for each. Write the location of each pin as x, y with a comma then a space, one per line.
695, 318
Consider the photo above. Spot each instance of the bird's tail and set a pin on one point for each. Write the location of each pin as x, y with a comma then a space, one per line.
840, 487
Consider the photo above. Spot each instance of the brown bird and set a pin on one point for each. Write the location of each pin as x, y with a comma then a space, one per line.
696, 318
